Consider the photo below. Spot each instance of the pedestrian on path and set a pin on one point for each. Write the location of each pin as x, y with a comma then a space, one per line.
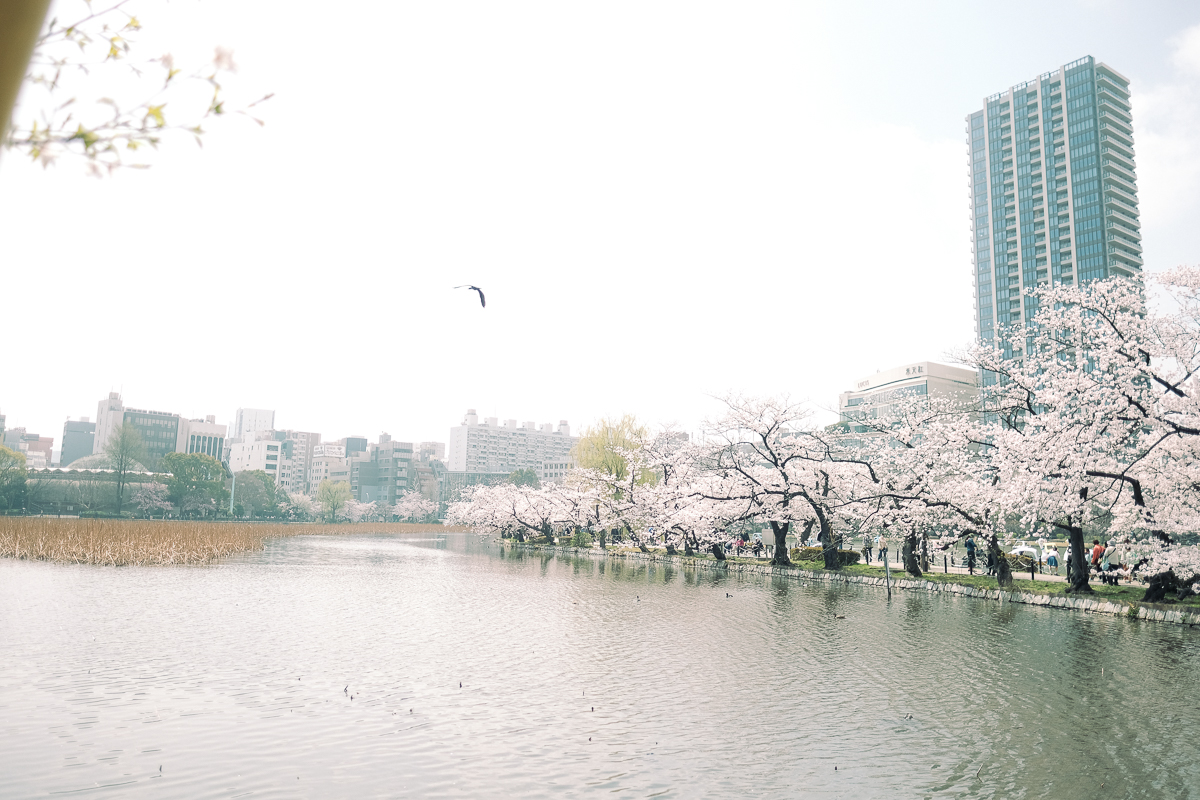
1052, 559
883, 549
970, 545
867, 547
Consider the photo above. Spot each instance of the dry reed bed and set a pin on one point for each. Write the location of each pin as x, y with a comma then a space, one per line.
135, 542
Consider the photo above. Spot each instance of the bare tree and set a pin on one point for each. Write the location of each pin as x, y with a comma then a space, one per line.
126, 451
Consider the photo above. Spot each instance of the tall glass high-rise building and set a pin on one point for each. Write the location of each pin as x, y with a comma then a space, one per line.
1053, 189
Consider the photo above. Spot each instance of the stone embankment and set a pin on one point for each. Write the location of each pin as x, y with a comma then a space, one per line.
1148, 611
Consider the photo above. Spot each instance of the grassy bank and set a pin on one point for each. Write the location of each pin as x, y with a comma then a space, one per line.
1124, 593
125, 542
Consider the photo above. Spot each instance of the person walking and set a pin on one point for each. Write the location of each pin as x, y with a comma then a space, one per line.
867, 547
1097, 554
883, 554
970, 545
1052, 559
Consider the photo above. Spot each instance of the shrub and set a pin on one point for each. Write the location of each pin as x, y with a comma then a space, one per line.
845, 557
806, 554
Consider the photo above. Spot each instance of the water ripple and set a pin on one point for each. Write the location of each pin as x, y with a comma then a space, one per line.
331, 667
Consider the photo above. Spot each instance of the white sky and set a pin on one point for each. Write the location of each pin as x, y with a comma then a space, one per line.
663, 202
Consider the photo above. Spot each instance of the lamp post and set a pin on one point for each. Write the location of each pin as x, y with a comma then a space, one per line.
233, 488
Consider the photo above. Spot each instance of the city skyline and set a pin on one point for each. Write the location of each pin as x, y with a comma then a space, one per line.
705, 212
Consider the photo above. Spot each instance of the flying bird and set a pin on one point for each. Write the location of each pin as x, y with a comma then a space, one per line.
482, 301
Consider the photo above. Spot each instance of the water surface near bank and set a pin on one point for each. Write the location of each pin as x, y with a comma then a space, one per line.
232, 677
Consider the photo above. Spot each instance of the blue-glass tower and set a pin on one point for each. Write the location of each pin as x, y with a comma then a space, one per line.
1053, 189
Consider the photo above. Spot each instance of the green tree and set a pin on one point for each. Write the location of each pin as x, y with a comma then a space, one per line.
12, 477
197, 482
525, 477
600, 446
333, 497
256, 493
126, 453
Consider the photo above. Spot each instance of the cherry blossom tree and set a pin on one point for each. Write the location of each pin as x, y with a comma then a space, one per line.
151, 497
772, 464
1093, 407
414, 507
931, 480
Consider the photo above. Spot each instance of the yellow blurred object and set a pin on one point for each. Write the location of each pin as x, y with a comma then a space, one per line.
20, 23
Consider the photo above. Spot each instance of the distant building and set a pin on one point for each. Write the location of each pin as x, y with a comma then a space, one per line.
489, 447
922, 379
354, 444
450, 484
302, 443
251, 420
38, 450
79, 440
202, 436
328, 464
159, 430
1054, 193
110, 414
384, 473
431, 451
260, 454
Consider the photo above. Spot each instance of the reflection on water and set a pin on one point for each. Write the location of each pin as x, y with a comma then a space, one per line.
330, 667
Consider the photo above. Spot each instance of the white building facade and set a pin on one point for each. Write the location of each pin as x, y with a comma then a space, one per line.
202, 436
487, 446
921, 379
250, 421
329, 463
262, 454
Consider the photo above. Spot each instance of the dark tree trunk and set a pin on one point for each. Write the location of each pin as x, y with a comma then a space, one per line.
908, 553
603, 538
808, 526
671, 549
780, 531
687, 546
1004, 577
1080, 563
924, 552
520, 536
828, 546
1158, 586
717, 552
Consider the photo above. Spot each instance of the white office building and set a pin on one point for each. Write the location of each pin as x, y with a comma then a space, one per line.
326, 466
922, 379
250, 421
202, 436
262, 454
487, 446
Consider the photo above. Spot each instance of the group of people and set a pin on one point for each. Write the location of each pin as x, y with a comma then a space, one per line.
1104, 561
879, 544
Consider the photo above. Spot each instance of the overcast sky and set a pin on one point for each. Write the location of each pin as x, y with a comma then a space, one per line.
663, 201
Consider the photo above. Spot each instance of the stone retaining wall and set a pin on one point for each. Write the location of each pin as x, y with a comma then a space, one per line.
1148, 611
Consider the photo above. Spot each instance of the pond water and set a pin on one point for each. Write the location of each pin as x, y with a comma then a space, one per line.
579, 677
